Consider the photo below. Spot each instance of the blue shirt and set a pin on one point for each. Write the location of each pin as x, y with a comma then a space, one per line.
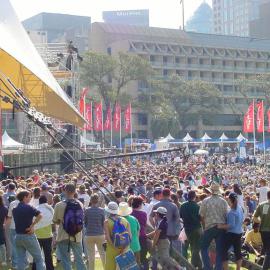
235, 219
23, 216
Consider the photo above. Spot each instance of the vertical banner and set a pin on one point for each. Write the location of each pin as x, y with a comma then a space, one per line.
89, 117
127, 118
268, 116
108, 119
260, 117
249, 119
98, 117
117, 117
82, 101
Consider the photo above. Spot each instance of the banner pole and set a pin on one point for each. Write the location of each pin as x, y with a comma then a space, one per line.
85, 125
264, 151
111, 123
254, 130
131, 139
120, 133
102, 128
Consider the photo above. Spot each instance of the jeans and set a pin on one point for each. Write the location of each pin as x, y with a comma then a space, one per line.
207, 237
25, 242
143, 253
194, 238
64, 252
3, 256
46, 246
266, 247
90, 243
12, 235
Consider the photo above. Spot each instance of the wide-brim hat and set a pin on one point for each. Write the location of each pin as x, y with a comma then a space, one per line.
124, 209
112, 208
215, 188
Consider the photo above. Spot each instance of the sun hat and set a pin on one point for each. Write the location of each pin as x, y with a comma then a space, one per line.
215, 188
112, 208
161, 210
124, 210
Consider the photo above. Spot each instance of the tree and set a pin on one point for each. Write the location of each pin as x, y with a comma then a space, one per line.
111, 74
183, 102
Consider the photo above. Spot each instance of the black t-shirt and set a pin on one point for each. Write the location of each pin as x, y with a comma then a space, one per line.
23, 217
3, 215
163, 226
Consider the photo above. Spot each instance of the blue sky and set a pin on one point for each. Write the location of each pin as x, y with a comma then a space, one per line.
163, 13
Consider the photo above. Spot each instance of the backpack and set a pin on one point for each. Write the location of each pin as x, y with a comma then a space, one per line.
73, 218
120, 236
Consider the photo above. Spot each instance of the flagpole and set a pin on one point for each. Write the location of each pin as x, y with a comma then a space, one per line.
111, 123
264, 155
120, 133
131, 139
102, 128
84, 130
254, 129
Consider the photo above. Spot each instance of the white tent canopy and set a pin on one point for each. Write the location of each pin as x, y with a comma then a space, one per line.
9, 143
240, 137
223, 137
22, 64
187, 138
201, 152
205, 137
87, 142
169, 137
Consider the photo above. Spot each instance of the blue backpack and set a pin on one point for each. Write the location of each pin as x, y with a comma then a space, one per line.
73, 218
120, 235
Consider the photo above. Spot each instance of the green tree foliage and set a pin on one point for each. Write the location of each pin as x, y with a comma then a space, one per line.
182, 102
110, 75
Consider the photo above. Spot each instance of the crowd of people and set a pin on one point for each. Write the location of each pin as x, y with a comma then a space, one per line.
162, 207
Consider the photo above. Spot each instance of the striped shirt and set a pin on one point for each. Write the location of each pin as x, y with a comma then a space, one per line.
94, 218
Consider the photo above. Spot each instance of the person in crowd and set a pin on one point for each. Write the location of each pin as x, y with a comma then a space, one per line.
3, 217
45, 191
141, 216
189, 213
234, 230
262, 215
94, 218
240, 198
66, 242
82, 195
161, 243
262, 190
11, 191
125, 211
43, 231
253, 240
157, 197
213, 211
36, 195
112, 211
25, 218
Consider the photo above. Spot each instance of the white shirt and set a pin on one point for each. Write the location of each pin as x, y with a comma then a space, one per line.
149, 209
12, 205
86, 199
262, 193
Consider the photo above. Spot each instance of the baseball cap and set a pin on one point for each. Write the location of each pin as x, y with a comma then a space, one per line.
161, 210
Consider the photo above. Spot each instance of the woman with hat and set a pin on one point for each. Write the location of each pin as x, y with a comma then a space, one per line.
234, 227
161, 243
125, 211
112, 251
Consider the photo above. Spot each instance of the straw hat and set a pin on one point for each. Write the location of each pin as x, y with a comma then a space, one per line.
112, 208
124, 209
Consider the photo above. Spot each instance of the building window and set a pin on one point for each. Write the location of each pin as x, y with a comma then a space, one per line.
152, 58
177, 60
142, 119
165, 72
109, 51
165, 59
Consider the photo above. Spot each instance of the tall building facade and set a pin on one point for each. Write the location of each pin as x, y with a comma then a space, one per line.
61, 28
128, 17
219, 59
232, 17
202, 20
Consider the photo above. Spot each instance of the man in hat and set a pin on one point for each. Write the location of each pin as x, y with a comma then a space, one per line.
213, 211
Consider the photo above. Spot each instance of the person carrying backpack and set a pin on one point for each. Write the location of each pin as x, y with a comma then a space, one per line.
117, 234
68, 215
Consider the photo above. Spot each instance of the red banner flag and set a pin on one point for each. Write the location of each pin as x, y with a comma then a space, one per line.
128, 118
117, 117
82, 101
268, 115
98, 117
108, 120
249, 119
260, 117
1, 144
88, 117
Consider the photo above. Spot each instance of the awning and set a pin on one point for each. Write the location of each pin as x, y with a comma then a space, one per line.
169, 137
205, 137
223, 137
187, 138
8, 142
241, 137
21, 63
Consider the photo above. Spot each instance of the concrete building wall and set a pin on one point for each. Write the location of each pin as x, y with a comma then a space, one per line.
213, 58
